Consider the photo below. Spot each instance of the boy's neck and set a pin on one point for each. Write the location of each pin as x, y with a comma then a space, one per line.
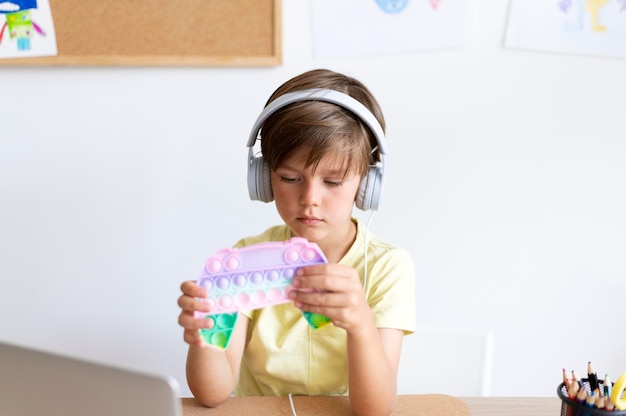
337, 244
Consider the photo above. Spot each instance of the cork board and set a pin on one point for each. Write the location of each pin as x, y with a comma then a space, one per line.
164, 33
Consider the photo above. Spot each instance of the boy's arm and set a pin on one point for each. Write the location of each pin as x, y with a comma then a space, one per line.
212, 373
373, 360
373, 353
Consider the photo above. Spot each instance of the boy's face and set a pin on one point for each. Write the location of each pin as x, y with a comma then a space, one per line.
315, 202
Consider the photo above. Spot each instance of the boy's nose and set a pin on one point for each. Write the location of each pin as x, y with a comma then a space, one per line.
310, 195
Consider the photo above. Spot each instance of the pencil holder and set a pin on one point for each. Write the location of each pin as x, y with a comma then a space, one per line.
571, 407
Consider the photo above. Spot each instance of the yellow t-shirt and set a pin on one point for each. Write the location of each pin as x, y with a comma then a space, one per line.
284, 355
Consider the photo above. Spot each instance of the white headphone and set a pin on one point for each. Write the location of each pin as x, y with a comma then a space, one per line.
370, 189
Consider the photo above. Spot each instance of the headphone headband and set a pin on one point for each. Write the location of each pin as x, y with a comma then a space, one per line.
327, 95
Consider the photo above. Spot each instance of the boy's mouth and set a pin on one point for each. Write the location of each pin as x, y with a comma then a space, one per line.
309, 220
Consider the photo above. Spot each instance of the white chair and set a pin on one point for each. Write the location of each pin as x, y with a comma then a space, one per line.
446, 362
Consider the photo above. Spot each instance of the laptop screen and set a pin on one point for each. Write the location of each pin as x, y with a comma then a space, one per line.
34, 382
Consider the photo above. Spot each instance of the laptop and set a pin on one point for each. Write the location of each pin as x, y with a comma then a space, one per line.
34, 382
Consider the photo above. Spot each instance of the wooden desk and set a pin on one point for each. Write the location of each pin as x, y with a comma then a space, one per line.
513, 406
414, 405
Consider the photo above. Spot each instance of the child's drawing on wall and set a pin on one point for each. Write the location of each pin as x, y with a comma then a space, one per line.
590, 27
26, 29
398, 6
349, 28
586, 10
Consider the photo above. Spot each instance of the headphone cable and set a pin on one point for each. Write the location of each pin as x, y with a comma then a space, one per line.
365, 268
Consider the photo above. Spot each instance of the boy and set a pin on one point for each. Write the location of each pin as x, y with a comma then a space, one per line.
320, 156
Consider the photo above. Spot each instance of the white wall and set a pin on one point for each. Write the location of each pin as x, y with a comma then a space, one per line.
505, 179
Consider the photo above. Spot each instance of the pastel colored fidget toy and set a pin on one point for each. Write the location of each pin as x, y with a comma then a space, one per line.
253, 277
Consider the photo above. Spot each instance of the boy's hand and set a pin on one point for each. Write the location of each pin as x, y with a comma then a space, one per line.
333, 290
190, 302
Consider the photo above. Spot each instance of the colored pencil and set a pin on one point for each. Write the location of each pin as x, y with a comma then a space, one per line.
592, 377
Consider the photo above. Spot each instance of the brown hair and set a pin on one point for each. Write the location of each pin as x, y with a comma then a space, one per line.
320, 127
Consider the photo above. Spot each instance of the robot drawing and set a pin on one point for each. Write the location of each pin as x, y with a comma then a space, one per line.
19, 22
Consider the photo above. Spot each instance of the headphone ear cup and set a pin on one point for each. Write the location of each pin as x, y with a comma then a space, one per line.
265, 182
368, 196
259, 181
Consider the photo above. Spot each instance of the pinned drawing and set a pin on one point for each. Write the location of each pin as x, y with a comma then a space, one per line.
24, 20
398, 6
392, 6
21, 26
582, 7
590, 27
347, 28
435, 3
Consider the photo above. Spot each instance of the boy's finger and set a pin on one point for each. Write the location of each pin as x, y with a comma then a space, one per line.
191, 288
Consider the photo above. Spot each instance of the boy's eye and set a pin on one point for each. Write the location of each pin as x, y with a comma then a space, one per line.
334, 183
287, 179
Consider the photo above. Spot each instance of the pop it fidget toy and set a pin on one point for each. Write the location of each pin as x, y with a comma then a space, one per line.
253, 277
